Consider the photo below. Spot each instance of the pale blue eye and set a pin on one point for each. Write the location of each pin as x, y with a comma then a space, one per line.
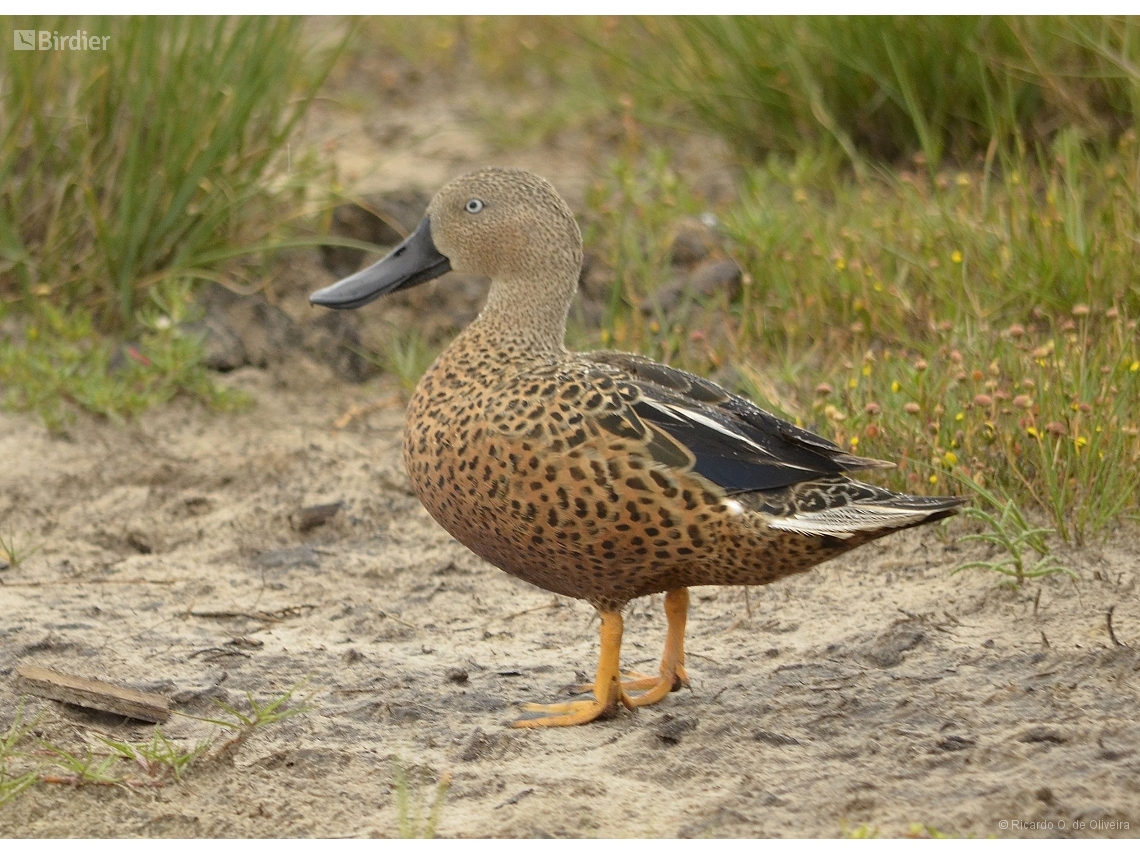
473, 206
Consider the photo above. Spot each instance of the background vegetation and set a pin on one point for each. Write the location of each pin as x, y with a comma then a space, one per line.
937, 218
126, 176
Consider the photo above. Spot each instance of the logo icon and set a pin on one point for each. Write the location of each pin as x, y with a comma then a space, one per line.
24, 39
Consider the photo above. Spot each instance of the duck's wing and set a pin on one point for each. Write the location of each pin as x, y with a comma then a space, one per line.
735, 443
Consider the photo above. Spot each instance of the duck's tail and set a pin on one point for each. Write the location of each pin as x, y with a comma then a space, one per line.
842, 508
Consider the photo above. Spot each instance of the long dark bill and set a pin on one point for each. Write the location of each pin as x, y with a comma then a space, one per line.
414, 261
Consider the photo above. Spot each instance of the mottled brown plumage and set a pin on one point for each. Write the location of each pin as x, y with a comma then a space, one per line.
603, 476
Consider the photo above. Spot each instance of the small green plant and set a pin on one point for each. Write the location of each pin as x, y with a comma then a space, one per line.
87, 768
259, 716
1015, 537
859, 832
410, 820
159, 757
11, 785
58, 358
12, 555
24, 763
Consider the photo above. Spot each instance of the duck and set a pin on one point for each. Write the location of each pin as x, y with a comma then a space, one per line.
602, 476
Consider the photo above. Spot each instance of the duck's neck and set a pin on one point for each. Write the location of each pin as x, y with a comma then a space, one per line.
524, 318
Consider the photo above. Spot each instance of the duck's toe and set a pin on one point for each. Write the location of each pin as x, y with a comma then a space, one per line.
635, 681
657, 688
571, 713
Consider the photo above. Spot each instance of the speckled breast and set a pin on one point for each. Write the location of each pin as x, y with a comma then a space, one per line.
531, 471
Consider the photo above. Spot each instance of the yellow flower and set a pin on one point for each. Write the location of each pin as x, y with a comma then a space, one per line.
1032, 431
1135, 366
895, 386
853, 383
854, 442
840, 264
866, 370
950, 458
933, 479
959, 417
1080, 442
956, 256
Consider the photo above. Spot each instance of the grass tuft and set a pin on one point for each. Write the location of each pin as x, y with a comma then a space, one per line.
126, 176
12, 555
1015, 539
411, 823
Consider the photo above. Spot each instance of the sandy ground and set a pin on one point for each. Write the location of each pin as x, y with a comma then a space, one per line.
877, 690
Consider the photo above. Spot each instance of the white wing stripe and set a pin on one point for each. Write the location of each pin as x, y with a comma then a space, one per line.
847, 520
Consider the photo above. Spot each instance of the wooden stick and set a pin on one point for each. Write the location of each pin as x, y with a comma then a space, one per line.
94, 694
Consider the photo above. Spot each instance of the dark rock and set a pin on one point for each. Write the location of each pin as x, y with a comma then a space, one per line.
1044, 794
1041, 733
222, 348
670, 728
309, 518
693, 241
334, 338
456, 675
242, 330
265, 330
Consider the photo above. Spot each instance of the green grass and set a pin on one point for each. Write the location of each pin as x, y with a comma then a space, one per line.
879, 88
977, 325
410, 803
127, 176
59, 360
156, 159
864, 88
13, 553
27, 759
14, 783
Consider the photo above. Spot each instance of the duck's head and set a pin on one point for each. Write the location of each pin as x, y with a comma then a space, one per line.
506, 224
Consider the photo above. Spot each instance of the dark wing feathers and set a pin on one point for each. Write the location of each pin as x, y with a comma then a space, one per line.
735, 443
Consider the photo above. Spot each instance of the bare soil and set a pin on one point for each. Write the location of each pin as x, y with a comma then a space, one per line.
877, 690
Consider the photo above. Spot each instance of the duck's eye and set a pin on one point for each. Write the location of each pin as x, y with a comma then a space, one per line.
473, 206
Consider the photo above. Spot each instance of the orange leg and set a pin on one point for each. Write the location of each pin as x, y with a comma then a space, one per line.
672, 674
672, 669
607, 686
